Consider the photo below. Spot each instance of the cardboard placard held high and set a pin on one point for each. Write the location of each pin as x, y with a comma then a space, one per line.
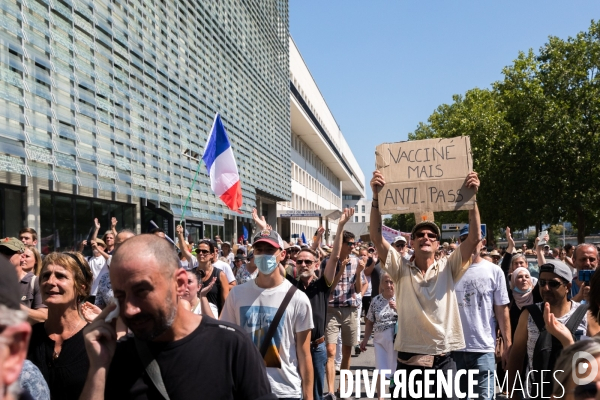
425, 175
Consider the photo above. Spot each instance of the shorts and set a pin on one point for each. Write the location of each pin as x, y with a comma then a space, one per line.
344, 318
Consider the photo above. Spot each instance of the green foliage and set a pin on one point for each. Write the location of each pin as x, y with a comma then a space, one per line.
535, 136
400, 222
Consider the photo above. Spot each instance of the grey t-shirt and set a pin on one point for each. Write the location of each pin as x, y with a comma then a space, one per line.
31, 296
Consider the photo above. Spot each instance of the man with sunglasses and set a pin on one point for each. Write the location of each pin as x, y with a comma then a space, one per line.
401, 246
557, 309
317, 290
429, 326
342, 311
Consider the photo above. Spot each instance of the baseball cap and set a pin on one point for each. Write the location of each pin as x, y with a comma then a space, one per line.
269, 236
425, 224
400, 238
465, 231
559, 268
227, 243
12, 243
9, 285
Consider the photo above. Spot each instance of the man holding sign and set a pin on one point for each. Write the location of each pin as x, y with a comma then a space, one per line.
429, 326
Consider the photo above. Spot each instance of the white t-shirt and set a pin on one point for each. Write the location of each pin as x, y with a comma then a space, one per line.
481, 288
226, 268
253, 309
97, 265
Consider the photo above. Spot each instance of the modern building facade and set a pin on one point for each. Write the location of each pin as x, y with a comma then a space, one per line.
105, 108
323, 167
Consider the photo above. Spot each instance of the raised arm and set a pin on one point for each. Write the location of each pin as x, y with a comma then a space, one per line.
467, 247
539, 250
317, 239
182, 246
382, 246
96, 229
510, 241
113, 226
332, 263
259, 221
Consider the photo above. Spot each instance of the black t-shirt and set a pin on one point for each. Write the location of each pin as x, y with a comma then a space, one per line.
216, 361
66, 374
318, 294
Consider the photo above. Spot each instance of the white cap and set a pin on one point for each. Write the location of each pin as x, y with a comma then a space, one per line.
400, 238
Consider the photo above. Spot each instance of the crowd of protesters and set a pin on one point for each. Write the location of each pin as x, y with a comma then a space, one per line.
140, 318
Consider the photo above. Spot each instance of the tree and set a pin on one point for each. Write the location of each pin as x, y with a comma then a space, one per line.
534, 136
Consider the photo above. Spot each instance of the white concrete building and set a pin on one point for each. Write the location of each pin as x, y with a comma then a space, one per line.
324, 169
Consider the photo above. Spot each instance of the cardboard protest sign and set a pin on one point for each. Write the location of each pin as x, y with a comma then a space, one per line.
425, 176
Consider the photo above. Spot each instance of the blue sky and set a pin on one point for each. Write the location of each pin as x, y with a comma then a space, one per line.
384, 66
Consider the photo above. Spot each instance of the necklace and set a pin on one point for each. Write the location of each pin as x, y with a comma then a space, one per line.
55, 353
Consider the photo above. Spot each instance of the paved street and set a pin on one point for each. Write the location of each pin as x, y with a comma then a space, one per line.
364, 361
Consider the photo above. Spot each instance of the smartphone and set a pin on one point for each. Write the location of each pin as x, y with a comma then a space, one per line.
541, 237
585, 276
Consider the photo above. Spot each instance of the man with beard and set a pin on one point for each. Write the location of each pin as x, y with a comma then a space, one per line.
179, 349
554, 284
317, 290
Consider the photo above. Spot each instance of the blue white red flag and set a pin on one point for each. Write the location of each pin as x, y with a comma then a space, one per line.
221, 165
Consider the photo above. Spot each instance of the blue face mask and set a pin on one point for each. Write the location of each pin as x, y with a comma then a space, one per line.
266, 263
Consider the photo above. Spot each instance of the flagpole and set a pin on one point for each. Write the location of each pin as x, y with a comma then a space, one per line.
190, 193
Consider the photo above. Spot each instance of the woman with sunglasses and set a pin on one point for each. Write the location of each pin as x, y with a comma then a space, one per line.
219, 292
56, 346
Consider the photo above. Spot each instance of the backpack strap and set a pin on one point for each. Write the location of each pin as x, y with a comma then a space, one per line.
537, 316
273, 326
151, 367
576, 318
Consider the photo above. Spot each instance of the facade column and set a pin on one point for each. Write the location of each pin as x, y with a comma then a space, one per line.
33, 208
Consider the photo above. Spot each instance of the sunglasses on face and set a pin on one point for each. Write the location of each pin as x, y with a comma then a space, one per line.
203, 252
421, 235
306, 262
552, 284
294, 251
463, 238
351, 244
399, 245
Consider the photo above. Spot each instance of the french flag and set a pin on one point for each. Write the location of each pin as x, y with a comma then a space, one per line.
220, 162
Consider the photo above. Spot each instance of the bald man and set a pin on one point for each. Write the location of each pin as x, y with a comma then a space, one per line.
189, 349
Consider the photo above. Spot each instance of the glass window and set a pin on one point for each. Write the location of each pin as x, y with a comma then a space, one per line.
13, 211
356, 208
47, 223
63, 213
207, 231
356, 218
363, 218
83, 218
363, 209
